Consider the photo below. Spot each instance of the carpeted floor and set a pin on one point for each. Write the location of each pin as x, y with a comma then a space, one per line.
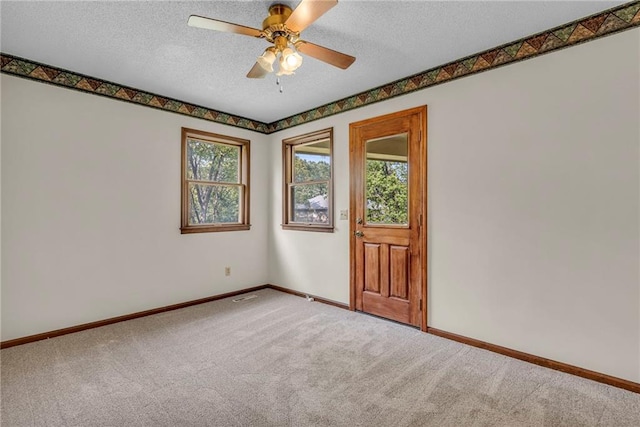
278, 360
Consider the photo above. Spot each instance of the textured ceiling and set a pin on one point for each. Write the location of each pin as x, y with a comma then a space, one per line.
148, 45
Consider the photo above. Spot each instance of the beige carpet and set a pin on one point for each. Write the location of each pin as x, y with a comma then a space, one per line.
278, 360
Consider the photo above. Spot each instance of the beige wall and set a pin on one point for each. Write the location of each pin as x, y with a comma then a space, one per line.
91, 212
533, 214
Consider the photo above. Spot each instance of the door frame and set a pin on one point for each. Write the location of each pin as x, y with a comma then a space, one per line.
422, 112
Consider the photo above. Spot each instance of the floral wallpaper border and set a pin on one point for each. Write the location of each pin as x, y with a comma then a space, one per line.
59, 77
611, 21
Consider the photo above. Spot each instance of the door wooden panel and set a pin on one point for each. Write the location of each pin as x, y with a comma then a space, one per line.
384, 270
399, 263
372, 267
388, 203
390, 308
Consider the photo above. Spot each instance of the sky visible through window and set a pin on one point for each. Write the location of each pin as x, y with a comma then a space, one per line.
317, 158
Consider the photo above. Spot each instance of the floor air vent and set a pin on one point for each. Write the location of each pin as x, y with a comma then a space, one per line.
244, 298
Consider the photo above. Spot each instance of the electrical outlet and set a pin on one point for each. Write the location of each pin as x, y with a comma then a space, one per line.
227, 271
344, 214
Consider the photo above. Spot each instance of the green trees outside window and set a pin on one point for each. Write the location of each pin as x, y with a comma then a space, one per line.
214, 195
387, 192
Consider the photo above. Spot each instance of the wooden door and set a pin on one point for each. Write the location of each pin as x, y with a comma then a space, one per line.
388, 207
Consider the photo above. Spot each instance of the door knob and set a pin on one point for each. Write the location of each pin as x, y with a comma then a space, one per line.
359, 233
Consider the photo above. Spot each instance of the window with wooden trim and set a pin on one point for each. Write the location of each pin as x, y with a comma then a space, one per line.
215, 182
308, 182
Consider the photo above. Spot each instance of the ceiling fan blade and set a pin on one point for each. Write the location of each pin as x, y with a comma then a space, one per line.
307, 12
214, 24
327, 55
257, 72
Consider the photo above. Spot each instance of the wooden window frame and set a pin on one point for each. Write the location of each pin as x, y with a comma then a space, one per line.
244, 165
287, 173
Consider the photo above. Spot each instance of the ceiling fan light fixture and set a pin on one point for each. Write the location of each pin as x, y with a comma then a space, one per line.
267, 59
293, 58
289, 61
284, 69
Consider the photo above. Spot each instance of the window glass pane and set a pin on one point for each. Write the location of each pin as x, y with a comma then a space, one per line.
312, 162
212, 162
387, 186
214, 204
310, 203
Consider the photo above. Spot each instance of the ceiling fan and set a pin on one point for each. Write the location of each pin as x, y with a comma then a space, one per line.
282, 28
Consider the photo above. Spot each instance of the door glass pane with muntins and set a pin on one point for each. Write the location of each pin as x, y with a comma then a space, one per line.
387, 185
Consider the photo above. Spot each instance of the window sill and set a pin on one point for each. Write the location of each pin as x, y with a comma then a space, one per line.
214, 228
304, 227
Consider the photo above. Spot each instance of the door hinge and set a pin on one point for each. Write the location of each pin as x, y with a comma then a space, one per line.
420, 306
420, 136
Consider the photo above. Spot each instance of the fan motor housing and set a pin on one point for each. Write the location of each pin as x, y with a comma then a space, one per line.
273, 26
278, 14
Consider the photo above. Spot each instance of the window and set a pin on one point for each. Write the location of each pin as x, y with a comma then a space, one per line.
215, 182
308, 182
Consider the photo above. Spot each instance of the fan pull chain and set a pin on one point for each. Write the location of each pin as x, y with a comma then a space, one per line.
279, 85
